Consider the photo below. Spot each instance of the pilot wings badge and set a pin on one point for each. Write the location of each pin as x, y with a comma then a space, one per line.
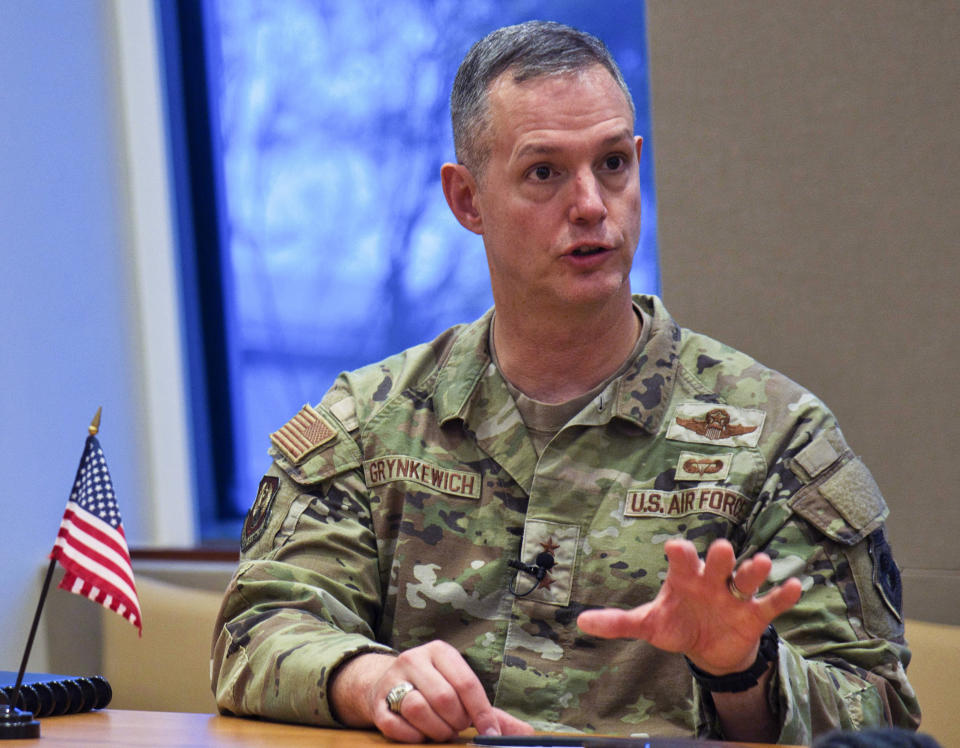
708, 423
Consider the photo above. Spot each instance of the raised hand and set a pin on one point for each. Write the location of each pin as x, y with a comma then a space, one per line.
698, 613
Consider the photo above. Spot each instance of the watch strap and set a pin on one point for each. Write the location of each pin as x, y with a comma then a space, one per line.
743, 680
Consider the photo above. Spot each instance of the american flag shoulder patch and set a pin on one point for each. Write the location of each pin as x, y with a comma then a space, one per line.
302, 434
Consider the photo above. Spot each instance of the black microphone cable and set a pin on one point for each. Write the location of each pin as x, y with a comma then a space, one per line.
543, 563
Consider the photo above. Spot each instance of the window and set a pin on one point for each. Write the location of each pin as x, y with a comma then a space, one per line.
316, 237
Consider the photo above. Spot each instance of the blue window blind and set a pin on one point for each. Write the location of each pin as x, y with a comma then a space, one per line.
328, 242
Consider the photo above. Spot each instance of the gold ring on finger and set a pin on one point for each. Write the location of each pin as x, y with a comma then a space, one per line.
736, 591
396, 695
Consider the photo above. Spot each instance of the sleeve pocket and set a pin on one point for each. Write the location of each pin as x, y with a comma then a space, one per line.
845, 504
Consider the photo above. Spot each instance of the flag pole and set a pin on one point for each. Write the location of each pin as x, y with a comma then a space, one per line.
15, 723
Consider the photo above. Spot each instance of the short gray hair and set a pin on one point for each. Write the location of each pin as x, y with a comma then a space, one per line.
529, 50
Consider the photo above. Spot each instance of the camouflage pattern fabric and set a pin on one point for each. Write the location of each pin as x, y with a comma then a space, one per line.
397, 530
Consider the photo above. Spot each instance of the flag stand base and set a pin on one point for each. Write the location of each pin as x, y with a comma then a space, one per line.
15, 724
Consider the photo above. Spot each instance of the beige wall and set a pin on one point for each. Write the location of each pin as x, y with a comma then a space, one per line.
808, 173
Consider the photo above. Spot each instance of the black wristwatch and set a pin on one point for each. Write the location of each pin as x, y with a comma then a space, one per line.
745, 679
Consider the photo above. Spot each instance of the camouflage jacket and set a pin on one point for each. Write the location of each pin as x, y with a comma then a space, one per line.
392, 509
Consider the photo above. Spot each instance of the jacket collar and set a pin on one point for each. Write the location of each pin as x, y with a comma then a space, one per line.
468, 383
643, 391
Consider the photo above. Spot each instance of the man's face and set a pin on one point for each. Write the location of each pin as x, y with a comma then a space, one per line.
559, 199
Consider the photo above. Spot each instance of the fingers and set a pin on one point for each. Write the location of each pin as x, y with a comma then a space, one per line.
466, 697
507, 724
695, 611
448, 697
613, 623
720, 569
751, 574
720, 563
415, 721
487, 722
683, 558
692, 577
444, 686
418, 712
780, 599
498, 722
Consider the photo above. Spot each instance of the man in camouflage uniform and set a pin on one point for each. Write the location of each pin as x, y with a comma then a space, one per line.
560, 516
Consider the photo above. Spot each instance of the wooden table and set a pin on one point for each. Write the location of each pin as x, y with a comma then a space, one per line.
113, 727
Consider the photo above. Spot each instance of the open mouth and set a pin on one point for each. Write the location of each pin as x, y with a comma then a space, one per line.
587, 251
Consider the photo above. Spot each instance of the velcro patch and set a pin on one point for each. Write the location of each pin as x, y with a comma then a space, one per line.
642, 502
346, 411
445, 480
692, 466
302, 434
855, 494
817, 456
708, 423
846, 505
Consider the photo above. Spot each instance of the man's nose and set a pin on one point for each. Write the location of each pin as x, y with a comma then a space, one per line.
587, 205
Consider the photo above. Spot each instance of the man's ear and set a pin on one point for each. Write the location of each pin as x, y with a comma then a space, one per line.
638, 141
460, 189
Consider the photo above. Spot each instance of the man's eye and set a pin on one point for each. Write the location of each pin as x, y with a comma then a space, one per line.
542, 173
614, 163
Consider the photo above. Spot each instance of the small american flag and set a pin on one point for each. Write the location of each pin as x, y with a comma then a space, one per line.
91, 545
302, 434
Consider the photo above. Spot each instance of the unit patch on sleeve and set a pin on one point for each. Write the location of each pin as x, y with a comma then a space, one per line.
693, 466
707, 423
259, 513
392, 468
302, 434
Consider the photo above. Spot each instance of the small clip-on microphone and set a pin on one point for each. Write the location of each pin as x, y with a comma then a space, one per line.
543, 563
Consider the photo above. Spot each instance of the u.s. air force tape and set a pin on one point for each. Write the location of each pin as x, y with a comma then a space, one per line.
710, 500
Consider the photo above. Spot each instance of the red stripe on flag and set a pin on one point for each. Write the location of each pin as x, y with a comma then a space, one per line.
284, 438
92, 577
87, 525
92, 552
82, 548
86, 587
84, 538
78, 560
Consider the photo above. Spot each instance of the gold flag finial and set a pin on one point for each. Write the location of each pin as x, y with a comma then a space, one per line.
94, 426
